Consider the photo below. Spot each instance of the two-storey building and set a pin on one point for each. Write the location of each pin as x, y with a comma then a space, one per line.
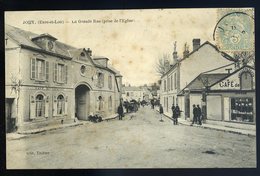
48, 81
203, 58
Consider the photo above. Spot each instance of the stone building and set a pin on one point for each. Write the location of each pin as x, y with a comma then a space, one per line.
203, 58
48, 81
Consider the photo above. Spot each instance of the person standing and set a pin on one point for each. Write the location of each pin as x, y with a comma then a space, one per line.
194, 114
177, 109
161, 112
173, 114
199, 114
120, 111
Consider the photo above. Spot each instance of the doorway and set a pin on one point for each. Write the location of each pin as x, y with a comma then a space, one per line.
10, 120
82, 102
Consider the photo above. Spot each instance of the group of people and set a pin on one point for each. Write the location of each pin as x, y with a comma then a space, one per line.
175, 113
196, 115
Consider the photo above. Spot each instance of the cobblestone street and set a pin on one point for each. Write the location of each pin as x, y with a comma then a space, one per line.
138, 141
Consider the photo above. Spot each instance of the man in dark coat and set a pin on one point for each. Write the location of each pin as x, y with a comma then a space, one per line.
174, 115
177, 110
161, 112
199, 114
120, 111
195, 112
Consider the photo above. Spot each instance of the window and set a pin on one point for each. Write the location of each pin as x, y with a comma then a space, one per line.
164, 85
39, 69
175, 81
60, 105
171, 82
246, 81
60, 73
242, 109
100, 103
110, 82
40, 108
168, 84
127, 94
100, 82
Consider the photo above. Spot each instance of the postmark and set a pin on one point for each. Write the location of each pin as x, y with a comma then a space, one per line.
234, 30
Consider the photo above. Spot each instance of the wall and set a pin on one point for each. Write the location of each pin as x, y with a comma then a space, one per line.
205, 59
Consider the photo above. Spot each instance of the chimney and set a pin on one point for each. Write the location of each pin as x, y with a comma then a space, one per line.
89, 52
196, 44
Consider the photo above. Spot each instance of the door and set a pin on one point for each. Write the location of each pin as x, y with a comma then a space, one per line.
81, 103
10, 122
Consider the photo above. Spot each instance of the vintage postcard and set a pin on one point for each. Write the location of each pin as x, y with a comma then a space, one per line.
147, 88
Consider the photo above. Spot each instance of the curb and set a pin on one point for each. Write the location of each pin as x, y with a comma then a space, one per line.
205, 127
48, 129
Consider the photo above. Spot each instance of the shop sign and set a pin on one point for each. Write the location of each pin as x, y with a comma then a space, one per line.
229, 84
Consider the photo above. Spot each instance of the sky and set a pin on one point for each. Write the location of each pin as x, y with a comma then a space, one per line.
133, 40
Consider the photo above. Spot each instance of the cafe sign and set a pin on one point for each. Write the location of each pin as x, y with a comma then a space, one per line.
229, 84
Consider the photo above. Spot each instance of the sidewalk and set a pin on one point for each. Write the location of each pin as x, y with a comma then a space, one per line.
24, 134
214, 127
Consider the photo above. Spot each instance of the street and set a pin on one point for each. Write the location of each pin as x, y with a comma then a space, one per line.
138, 141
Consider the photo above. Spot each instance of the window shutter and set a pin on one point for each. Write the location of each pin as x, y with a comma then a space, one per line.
55, 72
46, 106
54, 106
47, 71
33, 62
66, 106
32, 107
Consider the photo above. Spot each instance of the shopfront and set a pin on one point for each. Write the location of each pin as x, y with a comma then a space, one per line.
236, 95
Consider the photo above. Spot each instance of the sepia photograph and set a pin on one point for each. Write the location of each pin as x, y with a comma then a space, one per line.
137, 88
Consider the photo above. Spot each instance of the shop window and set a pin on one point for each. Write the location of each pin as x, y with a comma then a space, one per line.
60, 105
246, 81
39, 69
40, 105
242, 109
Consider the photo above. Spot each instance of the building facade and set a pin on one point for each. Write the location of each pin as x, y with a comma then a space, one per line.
48, 81
203, 58
133, 93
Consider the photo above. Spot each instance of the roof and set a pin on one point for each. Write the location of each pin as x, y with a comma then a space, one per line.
209, 79
25, 39
245, 66
227, 56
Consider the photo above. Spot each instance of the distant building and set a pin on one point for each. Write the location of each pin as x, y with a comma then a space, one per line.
48, 81
133, 93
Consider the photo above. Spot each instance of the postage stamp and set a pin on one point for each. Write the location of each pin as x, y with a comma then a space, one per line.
234, 30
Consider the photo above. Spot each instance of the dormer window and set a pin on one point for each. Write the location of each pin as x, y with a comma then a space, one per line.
82, 54
50, 45
45, 41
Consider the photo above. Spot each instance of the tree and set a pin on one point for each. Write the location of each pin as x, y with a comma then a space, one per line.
245, 58
163, 64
